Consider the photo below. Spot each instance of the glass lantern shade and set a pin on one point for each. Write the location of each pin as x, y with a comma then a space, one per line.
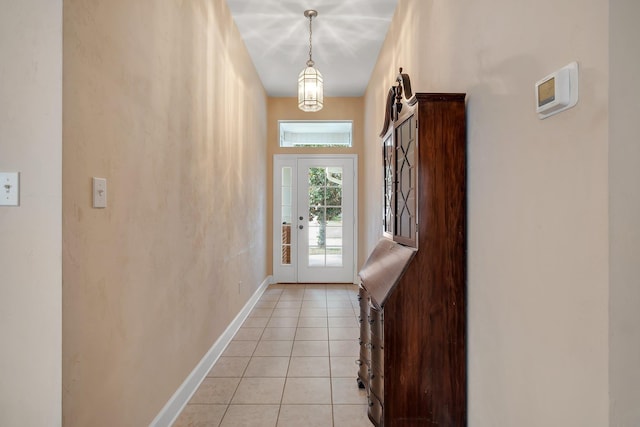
310, 90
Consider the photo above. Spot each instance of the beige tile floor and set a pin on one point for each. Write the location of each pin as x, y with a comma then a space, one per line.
291, 364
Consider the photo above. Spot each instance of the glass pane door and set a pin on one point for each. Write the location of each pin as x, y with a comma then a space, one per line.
326, 229
314, 219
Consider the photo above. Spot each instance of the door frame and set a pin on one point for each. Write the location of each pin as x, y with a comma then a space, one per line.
288, 274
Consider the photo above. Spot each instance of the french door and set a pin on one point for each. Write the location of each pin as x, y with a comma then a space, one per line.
314, 218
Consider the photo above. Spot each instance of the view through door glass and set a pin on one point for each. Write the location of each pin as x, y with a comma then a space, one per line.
325, 217
325, 220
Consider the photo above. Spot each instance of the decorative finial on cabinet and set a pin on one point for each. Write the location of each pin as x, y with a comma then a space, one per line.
401, 90
404, 84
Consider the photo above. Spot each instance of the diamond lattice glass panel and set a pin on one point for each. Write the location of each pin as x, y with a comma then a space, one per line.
405, 202
388, 184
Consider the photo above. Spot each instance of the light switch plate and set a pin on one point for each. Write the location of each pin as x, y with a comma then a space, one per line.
9, 188
99, 192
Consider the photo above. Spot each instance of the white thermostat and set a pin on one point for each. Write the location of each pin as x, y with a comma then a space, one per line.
558, 91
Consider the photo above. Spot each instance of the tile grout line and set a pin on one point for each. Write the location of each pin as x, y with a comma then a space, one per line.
285, 379
246, 367
290, 297
330, 367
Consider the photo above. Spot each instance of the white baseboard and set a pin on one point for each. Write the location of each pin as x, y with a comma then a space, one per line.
180, 398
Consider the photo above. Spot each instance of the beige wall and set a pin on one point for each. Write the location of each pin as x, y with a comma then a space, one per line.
151, 281
537, 197
161, 99
30, 235
334, 109
624, 205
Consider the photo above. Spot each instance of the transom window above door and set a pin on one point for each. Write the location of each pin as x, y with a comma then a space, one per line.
317, 133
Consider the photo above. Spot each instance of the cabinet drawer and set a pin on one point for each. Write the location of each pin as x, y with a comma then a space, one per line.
375, 410
364, 306
376, 321
363, 318
376, 382
365, 363
363, 299
365, 346
363, 373
365, 331
377, 354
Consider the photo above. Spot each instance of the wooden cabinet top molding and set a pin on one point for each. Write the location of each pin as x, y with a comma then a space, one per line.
401, 95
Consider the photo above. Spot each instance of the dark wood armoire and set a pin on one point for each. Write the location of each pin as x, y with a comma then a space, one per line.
413, 285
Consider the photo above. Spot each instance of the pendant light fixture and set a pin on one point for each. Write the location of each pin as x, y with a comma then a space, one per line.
310, 88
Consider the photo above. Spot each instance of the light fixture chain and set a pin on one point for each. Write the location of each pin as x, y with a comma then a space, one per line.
310, 33
310, 86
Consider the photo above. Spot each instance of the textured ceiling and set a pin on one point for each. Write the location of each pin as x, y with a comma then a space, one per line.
347, 36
